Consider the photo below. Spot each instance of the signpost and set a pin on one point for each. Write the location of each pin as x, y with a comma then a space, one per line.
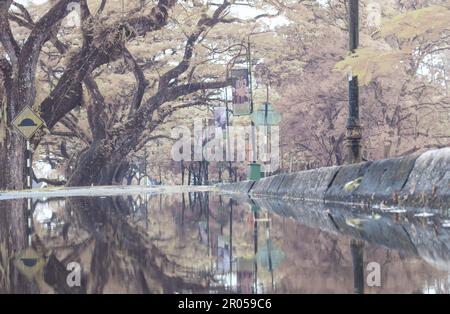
27, 123
266, 115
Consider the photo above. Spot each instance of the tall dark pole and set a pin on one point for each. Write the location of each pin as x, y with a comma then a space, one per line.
228, 157
354, 130
249, 58
254, 172
357, 250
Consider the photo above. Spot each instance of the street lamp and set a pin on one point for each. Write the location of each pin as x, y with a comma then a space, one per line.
354, 130
254, 171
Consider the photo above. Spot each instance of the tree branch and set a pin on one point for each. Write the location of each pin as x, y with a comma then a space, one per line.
96, 109
67, 93
73, 126
6, 69
6, 36
202, 25
101, 7
141, 82
29, 54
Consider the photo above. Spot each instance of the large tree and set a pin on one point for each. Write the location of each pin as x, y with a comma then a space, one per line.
122, 103
100, 46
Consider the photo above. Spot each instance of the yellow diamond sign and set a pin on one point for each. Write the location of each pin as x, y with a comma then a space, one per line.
29, 263
27, 122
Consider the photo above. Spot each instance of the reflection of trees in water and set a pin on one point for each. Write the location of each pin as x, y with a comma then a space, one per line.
104, 236
150, 244
122, 252
317, 259
335, 256
13, 239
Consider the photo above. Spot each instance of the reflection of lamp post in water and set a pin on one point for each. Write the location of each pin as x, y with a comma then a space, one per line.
357, 250
269, 251
255, 210
231, 242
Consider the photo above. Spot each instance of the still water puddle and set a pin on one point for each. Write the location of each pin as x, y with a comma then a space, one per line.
212, 243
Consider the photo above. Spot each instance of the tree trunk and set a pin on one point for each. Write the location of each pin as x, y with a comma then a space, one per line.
130, 180
189, 174
106, 175
121, 172
113, 174
12, 145
96, 167
12, 159
89, 168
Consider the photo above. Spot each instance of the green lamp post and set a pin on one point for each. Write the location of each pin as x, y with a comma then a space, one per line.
264, 115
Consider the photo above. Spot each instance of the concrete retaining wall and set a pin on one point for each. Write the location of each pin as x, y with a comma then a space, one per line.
384, 179
429, 181
238, 187
416, 180
350, 173
261, 187
310, 184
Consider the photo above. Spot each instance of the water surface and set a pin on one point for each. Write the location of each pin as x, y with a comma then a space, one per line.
212, 243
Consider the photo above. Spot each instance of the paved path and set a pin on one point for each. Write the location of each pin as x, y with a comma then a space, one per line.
103, 191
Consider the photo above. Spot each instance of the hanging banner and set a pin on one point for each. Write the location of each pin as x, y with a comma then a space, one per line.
220, 117
241, 94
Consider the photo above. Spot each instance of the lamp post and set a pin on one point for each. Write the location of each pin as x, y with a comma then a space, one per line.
254, 171
354, 130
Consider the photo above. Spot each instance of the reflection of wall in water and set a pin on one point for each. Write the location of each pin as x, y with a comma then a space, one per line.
319, 262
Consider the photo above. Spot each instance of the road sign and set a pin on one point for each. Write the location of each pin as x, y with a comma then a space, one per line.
29, 263
27, 123
266, 114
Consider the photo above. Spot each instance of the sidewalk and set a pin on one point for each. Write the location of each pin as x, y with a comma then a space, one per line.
102, 191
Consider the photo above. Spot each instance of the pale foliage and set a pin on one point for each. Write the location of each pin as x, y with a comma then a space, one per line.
369, 63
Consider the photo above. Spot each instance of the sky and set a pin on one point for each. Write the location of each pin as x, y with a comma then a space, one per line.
240, 11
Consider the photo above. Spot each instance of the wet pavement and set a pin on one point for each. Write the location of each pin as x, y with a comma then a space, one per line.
206, 242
